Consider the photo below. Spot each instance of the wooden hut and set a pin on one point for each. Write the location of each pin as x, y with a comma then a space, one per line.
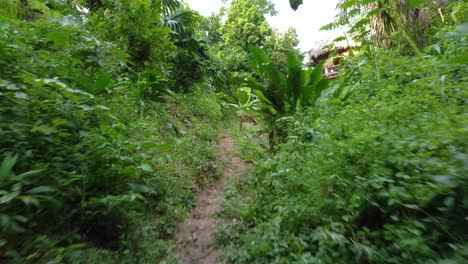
332, 57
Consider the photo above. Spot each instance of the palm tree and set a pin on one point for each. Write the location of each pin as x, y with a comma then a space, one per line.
385, 17
180, 19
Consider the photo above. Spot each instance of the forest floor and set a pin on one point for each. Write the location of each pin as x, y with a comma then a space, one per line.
195, 237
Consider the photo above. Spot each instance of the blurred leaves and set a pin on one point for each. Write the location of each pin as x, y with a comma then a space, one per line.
295, 4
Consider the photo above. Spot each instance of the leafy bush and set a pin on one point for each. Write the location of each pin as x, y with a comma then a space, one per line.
189, 62
375, 175
73, 162
283, 95
81, 166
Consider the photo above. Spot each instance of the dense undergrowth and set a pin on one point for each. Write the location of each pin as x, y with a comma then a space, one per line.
374, 174
97, 161
110, 113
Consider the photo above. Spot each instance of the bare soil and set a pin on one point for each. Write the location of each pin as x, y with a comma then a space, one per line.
195, 237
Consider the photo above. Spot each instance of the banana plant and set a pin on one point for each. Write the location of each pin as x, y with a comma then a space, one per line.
281, 95
244, 104
284, 95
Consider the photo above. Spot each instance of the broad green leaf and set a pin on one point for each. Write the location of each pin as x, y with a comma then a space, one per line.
346, 92
148, 145
83, 82
7, 165
307, 75
20, 218
9, 196
261, 96
140, 188
412, 206
61, 38
103, 80
146, 167
292, 63
316, 74
321, 86
243, 95
41, 189
263, 66
259, 55
276, 89
266, 101
308, 93
252, 83
295, 78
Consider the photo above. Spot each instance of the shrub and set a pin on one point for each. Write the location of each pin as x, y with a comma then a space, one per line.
378, 176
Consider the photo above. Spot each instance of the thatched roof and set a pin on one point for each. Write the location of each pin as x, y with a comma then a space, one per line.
326, 53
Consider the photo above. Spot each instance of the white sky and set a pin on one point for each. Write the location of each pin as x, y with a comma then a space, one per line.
307, 20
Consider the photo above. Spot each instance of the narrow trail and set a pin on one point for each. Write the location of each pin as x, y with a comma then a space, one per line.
195, 237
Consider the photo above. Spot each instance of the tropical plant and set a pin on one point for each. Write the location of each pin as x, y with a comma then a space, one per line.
80, 166
180, 19
283, 95
244, 104
380, 177
190, 60
386, 22
192, 51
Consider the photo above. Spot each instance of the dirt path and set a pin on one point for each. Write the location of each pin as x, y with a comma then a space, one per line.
196, 236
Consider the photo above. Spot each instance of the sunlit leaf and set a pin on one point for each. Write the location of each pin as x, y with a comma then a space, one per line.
103, 81
7, 165
146, 167
41, 189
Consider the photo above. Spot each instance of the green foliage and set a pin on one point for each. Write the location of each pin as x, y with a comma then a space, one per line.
281, 95
279, 45
180, 20
252, 141
284, 95
87, 158
244, 104
230, 40
211, 26
387, 23
190, 62
375, 174
99, 157
138, 26
245, 25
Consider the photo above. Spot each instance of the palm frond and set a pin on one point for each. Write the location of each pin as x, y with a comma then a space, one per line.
169, 6
180, 20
